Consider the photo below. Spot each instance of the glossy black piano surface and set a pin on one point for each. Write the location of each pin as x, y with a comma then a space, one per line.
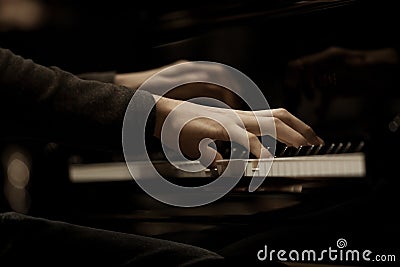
258, 39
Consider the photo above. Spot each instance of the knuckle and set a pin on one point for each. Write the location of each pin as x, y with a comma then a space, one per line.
252, 137
277, 121
223, 134
281, 112
309, 130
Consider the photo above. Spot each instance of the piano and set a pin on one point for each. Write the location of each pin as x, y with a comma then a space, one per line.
309, 194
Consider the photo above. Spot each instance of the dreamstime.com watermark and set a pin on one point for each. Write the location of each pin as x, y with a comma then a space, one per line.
339, 253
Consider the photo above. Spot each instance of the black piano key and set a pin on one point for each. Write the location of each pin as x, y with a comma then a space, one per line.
280, 148
234, 152
327, 149
317, 150
238, 153
299, 151
303, 151
321, 150
347, 147
311, 150
338, 148
288, 151
359, 147
244, 154
283, 152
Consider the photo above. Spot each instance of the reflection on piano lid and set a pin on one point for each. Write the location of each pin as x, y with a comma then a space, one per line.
312, 162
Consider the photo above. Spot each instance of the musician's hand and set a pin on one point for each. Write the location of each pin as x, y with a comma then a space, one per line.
135, 79
338, 68
187, 91
200, 122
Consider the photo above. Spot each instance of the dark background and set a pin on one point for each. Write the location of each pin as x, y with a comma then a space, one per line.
256, 37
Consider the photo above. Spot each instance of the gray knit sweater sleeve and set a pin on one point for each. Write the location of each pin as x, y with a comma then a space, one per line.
107, 76
47, 102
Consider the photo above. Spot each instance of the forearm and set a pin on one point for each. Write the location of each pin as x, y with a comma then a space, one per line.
132, 80
106, 76
61, 105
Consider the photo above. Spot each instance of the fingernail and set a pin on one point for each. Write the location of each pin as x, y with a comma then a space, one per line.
322, 142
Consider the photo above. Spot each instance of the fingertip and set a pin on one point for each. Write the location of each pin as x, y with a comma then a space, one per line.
321, 141
217, 157
265, 153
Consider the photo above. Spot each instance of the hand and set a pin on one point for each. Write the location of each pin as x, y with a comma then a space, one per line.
135, 79
243, 127
187, 91
339, 68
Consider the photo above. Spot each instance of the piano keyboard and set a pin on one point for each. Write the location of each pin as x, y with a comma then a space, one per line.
349, 165
332, 160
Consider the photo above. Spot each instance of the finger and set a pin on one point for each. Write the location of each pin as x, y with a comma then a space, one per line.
203, 150
288, 135
276, 128
250, 141
209, 157
321, 141
263, 112
298, 125
259, 125
257, 113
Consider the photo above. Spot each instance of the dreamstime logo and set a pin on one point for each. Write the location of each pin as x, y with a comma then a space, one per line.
133, 134
341, 243
340, 253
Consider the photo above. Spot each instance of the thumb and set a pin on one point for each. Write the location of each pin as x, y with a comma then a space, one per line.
209, 154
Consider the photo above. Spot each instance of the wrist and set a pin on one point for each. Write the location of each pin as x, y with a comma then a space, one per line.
132, 80
163, 107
